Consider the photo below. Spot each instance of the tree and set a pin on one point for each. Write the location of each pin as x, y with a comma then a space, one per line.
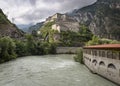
7, 47
79, 56
94, 41
34, 33
21, 48
30, 45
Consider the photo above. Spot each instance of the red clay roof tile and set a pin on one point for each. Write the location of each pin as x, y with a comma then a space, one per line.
104, 46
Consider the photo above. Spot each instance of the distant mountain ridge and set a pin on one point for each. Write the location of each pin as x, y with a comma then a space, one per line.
35, 27
7, 28
24, 27
102, 18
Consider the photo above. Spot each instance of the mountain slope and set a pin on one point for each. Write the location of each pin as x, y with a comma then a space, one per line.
24, 27
35, 27
63, 22
102, 18
7, 28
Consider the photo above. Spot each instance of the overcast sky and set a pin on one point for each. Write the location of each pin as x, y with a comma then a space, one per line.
33, 11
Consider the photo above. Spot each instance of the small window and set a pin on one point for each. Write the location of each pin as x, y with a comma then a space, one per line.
103, 53
115, 55
100, 53
109, 55
95, 53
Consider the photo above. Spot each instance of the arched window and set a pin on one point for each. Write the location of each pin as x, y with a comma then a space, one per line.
102, 63
112, 66
94, 62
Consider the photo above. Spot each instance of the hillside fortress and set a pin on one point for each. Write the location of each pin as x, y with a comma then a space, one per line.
104, 60
63, 22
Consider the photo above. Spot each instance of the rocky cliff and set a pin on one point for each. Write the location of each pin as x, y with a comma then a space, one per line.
102, 18
7, 28
63, 22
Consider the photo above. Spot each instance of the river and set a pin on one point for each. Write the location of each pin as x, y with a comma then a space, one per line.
48, 70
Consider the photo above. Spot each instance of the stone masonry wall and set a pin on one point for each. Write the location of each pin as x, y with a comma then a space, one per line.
105, 66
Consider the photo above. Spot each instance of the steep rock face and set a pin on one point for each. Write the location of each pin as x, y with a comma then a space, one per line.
63, 22
102, 18
7, 28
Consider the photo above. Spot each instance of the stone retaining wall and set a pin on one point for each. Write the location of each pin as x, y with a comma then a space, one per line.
64, 50
104, 66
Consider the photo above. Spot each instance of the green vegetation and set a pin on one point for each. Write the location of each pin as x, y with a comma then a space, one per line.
7, 49
11, 48
46, 29
47, 32
21, 49
79, 56
69, 38
96, 40
3, 18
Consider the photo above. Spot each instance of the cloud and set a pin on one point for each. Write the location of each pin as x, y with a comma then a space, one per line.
32, 2
33, 11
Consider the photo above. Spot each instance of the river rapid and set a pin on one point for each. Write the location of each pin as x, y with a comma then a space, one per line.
48, 70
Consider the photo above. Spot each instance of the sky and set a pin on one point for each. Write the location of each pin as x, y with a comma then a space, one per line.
33, 11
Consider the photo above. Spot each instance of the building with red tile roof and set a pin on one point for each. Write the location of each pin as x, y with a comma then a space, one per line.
103, 60
104, 46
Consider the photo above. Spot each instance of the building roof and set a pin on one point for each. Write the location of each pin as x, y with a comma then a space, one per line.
104, 46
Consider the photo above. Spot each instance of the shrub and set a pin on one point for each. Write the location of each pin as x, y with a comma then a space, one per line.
7, 47
21, 49
96, 41
79, 56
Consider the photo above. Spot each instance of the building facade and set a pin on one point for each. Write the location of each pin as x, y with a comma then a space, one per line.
104, 60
